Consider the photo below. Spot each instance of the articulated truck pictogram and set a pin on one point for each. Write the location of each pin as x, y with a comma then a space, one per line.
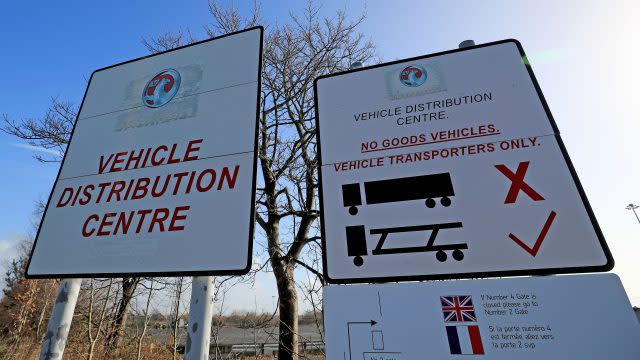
423, 187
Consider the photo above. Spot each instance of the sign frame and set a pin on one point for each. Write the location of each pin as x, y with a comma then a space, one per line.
251, 224
500, 273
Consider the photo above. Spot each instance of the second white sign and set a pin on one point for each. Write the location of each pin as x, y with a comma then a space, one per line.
448, 166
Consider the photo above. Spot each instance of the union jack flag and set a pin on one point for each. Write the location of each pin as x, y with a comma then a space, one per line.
458, 308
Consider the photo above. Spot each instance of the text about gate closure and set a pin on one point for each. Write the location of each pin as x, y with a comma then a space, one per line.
145, 220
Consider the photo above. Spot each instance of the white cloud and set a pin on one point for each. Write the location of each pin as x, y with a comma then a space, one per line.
9, 246
37, 148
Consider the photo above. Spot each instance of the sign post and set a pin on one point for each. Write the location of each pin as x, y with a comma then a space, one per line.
55, 339
159, 175
445, 166
200, 315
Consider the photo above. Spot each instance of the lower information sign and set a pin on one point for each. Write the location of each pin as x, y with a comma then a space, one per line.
559, 317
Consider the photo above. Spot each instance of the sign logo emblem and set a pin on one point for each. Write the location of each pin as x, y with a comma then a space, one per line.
161, 88
414, 75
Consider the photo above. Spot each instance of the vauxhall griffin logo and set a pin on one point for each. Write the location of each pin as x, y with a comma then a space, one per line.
161, 88
414, 75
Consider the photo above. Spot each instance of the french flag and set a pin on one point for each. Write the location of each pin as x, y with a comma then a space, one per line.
465, 340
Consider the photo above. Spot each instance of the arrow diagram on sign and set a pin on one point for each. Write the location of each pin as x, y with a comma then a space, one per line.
370, 322
545, 229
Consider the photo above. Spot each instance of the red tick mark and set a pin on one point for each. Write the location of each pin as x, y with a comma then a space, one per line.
545, 229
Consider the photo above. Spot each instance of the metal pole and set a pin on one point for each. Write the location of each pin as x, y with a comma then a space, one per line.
633, 208
56, 337
200, 314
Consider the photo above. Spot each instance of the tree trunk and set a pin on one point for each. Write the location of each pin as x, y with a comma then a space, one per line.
120, 320
176, 318
92, 346
41, 318
146, 320
288, 305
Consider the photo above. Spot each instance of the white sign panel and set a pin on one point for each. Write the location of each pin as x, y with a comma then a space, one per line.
563, 317
448, 165
159, 175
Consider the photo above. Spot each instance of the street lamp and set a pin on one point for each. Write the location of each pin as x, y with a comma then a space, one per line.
633, 208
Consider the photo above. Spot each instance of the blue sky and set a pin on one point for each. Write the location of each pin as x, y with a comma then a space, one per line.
583, 53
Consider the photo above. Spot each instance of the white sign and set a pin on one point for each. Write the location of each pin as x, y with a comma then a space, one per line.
159, 175
559, 317
445, 166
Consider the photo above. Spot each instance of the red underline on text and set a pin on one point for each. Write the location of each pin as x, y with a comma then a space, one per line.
429, 142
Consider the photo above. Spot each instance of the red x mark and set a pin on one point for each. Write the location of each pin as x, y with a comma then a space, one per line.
517, 183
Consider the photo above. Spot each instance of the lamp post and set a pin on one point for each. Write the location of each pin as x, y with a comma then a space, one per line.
633, 208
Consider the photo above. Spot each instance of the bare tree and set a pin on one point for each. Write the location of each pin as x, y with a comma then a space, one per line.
218, 322
294, 56
129, 286
146, 315
93, 339
23, 306
180, 286
223, 285
51, 131
312, 290
167, 41
295, 53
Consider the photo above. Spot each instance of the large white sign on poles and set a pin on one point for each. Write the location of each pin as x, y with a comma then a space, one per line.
159, 175
559, 317
448, 165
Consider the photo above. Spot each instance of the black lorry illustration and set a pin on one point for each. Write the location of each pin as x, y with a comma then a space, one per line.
357, 242
421, 187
